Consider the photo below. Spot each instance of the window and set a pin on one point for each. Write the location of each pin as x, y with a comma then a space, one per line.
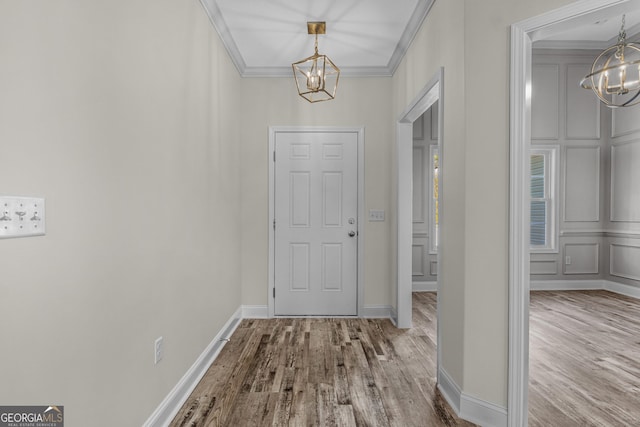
543, 206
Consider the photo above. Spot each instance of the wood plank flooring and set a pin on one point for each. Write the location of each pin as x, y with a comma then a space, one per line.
324, 372
584, 359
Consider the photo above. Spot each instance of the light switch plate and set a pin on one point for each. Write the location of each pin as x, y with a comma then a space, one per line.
376, 215
21, 216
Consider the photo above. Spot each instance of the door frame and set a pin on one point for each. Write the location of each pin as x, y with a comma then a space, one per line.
359, 131
432, 92
523, 34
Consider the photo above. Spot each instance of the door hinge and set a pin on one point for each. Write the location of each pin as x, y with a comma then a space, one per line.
274, 224
274, 293
274, 155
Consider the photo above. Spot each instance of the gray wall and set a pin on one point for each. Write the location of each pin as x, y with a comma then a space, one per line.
598, 202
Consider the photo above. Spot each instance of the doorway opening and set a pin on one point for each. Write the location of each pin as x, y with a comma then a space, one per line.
523, 35
432, 95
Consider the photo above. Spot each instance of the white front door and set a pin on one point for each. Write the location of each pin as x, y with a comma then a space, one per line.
316, 223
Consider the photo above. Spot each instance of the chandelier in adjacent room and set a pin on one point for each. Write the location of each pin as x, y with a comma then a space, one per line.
615, 73
316, 76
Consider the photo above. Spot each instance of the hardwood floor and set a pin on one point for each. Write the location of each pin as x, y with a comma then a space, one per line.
324, 372
584, 359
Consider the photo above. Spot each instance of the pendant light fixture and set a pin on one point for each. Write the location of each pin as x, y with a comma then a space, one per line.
316, 76
615, 73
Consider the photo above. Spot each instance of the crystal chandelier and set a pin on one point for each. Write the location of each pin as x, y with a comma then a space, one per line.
316, 76
615, 73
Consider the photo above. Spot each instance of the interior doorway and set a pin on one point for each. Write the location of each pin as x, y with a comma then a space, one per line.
523, 34
432, 93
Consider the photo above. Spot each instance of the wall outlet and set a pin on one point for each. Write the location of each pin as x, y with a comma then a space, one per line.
567, 260
158, 348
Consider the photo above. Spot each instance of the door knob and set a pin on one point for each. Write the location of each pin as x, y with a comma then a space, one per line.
352, 233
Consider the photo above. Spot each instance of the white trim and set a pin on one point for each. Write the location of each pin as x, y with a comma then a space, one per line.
361, 206
622, 289
169, 407
449, 389
425, 287
432, 92
567, 285
586, 285
482, 412
520, 136
377, 311
255, 312
394, 317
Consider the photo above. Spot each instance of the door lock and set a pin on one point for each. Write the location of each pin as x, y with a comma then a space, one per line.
352, 233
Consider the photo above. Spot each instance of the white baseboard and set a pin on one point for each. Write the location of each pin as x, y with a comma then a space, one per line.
566, 285
377, 312
622, 289
169, 407
581, 285
255, 312
449, 389
425, 286
470, 408
481, 412
393, 315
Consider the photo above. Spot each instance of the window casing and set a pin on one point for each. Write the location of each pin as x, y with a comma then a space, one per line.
543, 210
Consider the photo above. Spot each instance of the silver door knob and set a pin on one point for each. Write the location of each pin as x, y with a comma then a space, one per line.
352, 233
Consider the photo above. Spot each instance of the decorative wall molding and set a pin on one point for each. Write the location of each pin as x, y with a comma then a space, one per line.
171, 404
622, 263
543, 267
625, 202
585, 256
545, 111
582, 171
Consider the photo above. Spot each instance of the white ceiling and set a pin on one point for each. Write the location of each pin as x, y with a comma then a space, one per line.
363, 38
599, 32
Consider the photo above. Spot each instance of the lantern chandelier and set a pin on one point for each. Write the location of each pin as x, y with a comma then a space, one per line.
615, 73
316, 76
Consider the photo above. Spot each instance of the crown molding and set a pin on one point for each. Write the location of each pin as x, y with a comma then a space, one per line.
413, 26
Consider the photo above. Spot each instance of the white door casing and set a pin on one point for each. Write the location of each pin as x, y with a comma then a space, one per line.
315, 220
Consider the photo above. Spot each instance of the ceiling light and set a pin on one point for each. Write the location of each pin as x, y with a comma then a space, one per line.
615, 73
316, 76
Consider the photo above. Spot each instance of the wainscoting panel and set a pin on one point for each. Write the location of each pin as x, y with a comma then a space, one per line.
582, 184
544, 267
583, 109
625, 176
545, 101
624, 261
584, 258
418, 254
624, 121
420, 155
